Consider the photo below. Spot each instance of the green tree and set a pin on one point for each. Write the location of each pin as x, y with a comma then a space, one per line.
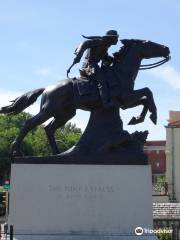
35, 143
164, 236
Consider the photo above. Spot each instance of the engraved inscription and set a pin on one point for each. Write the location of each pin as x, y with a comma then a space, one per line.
81, 191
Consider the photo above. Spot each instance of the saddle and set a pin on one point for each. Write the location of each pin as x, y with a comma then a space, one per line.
84, 85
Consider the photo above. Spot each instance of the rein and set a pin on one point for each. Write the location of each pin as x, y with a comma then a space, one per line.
153, 65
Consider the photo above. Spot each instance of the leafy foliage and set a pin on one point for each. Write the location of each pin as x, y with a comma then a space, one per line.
35, 142
164, 236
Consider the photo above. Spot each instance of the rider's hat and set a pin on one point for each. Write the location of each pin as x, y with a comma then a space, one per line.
111, 33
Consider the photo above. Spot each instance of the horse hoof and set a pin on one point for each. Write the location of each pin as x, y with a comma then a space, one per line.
153, 118
134, 121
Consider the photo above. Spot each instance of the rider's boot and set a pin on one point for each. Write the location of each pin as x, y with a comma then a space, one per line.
103, 91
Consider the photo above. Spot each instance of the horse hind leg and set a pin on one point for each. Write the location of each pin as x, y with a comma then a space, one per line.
51, 128
28, 125
50, 131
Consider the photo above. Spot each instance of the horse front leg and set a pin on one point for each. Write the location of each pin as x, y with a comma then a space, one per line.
131, 99
141, 117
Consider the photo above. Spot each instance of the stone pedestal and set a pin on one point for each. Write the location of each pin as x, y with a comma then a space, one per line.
59, 201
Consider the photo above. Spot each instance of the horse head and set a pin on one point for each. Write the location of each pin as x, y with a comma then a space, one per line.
139, 50
148, 49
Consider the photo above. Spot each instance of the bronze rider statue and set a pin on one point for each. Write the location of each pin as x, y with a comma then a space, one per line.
96, 48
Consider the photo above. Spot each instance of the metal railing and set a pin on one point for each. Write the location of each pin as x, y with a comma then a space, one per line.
173, 235
6, 232
160, 189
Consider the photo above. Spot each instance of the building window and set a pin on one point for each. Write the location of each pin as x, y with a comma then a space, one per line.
157, 164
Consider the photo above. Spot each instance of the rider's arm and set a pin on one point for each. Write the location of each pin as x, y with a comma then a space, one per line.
81, 49
85, 45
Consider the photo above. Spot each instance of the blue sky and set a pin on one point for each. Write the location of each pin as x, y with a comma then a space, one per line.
38, 39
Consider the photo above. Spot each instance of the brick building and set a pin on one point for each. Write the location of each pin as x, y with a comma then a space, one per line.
156, 156
173, 155
156, 151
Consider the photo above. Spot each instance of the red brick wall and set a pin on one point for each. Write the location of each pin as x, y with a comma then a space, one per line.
158, 160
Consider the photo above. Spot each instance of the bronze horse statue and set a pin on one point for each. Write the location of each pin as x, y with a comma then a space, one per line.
63, 98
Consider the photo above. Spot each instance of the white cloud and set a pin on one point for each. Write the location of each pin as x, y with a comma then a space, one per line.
6, 96
43, 72
169, 75
49, 72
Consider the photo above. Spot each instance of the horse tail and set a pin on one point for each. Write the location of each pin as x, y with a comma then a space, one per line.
22, 102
